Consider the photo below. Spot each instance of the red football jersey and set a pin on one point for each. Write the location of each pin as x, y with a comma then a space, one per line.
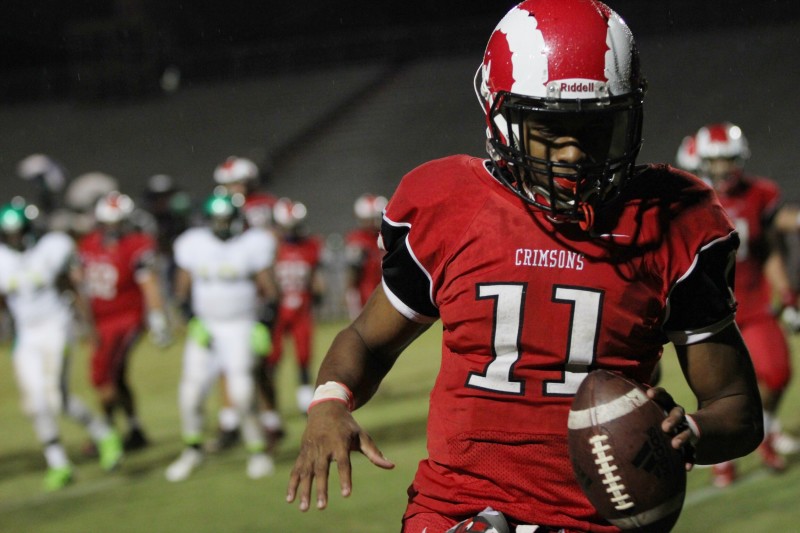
751, 204
110, 270
528, 307
294, 265
364, 254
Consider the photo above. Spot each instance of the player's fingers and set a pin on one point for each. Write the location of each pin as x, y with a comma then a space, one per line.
300, 481
373, 453
345, 475
676, 414
321, 474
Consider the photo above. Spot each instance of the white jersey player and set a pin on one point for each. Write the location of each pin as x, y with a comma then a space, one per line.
33, 273
225, 269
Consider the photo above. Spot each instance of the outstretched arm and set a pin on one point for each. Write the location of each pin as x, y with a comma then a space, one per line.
359, 358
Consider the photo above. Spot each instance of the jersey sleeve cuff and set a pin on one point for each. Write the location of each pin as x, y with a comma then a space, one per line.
405, 310
684, 338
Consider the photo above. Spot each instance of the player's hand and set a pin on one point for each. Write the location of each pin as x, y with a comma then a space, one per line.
330, 435
790, 316
160, 332
675, 424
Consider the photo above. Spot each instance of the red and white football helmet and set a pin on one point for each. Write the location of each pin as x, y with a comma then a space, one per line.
572, 60
289, 214
722, 151
235, 169
723, 140
686, 158
369, 207
113, 208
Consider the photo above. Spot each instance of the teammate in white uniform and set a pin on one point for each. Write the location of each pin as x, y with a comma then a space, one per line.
33, 273
225, 269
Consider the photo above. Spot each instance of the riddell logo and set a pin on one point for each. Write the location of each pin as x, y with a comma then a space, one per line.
577, 87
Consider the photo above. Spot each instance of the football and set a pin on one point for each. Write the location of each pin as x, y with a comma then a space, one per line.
622, 459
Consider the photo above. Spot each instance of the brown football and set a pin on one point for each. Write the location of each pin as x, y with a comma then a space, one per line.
623, 461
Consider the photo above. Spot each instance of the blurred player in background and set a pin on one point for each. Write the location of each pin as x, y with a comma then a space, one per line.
755, 206
34, 275
362, 253
223, 270
240, 176
301, 285
556, 256
118, 274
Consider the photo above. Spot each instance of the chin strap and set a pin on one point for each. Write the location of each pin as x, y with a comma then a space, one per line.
588, 216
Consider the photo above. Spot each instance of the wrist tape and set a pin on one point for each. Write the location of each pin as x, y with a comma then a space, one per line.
333, 391
694, 429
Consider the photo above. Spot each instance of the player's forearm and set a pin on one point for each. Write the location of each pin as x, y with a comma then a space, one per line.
730, 427
151, 291
729, 414
350, 362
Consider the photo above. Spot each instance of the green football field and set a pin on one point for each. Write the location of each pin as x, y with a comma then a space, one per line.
220, 498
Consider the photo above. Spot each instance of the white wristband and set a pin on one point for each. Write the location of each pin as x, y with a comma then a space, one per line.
333, 390
694, 429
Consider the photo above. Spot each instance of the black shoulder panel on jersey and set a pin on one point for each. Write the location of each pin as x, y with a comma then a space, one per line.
404, 276
705, 296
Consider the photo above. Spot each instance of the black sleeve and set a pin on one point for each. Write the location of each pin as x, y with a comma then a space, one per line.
703, 299
403, 276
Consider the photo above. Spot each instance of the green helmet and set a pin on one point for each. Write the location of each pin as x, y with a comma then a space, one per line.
17, 216
220, 206
223, 213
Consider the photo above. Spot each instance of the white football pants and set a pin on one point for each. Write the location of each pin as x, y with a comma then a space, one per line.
41, 368
229, 352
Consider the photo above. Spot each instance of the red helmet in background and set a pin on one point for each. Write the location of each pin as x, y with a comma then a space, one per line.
113, 208
724, 140
369, 206
236, 169
686, 158
288, 214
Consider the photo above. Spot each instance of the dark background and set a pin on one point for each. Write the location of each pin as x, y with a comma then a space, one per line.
336, 98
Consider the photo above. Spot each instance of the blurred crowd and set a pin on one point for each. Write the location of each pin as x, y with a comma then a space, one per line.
237, 272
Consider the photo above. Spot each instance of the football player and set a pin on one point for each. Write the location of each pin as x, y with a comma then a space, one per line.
297, 269
34, 282
362, 253
240, 176
555, 256
118, 274
755, 206
222, 271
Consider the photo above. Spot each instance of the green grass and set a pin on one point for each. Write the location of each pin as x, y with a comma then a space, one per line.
219, 497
